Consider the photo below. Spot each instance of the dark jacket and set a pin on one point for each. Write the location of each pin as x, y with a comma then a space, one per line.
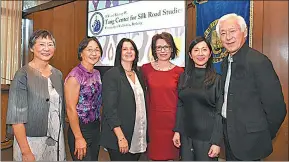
119, 107
255, 105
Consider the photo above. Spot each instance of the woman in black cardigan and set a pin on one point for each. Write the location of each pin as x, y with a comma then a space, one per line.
198, 127
124, 121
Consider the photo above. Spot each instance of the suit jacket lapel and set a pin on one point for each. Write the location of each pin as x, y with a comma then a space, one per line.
124, 79
224, 71
56, 82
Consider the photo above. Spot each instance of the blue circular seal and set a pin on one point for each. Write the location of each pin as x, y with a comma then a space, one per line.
219, 52
96, 23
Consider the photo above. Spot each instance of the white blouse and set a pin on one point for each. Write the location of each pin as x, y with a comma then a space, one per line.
138, 142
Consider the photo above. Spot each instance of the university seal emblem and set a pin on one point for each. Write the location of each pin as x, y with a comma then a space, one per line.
219, 52
96, 23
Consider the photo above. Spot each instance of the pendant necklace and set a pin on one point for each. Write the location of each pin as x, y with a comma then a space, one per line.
129, 73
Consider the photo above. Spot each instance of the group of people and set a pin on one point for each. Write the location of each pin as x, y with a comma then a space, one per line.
167, 111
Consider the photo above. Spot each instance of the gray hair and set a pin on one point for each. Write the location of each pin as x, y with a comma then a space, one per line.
240, 20
40, 34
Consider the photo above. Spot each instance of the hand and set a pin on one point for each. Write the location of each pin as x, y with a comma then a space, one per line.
123, 145
214, 151
80, 148
177, 139
28, 156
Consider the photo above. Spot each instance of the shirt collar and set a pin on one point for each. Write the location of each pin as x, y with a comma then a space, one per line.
230, 59
84, 69
239, 54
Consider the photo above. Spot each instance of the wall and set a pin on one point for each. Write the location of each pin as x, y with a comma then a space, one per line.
68, 25
191, 23
270, 36
4, 104
272, 39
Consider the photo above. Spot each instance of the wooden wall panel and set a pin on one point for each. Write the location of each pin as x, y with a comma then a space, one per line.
6, 141
43, 20
80, 11
4, 105
257, 42
68, 25
275, 46
31, 16
191, 25
64, 32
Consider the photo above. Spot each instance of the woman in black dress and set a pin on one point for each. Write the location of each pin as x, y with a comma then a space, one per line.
198, 128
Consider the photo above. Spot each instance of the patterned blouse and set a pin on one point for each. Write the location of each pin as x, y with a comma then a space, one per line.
90, 99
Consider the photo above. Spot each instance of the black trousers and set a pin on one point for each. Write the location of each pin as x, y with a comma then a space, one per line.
91, 134
115, 155
195, 150
229, 154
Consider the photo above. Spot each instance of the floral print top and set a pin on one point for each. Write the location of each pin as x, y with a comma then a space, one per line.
90, 99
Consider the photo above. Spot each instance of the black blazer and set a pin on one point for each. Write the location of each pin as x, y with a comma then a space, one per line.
119, 107
255, 105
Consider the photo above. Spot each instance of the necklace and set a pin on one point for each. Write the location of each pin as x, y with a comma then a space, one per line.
42, 71
163, 69
129, 73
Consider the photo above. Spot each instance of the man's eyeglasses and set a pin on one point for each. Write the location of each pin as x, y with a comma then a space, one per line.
166, 48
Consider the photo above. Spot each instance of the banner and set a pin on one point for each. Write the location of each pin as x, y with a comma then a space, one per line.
101, 4
208, 13
146, 18
137, 16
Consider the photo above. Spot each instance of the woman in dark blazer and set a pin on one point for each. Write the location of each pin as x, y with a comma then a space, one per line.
124, 121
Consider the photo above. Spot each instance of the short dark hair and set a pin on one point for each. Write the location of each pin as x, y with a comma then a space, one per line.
169, 39
117, 60
41, 33
83, 44
210, 75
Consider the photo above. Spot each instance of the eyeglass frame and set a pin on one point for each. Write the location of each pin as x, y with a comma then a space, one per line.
160, 48
97, 50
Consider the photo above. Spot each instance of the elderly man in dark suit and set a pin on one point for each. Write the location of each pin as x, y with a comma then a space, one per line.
253, 106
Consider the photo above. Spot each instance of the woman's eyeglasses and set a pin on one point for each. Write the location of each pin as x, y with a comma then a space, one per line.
166, 48
93, 50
